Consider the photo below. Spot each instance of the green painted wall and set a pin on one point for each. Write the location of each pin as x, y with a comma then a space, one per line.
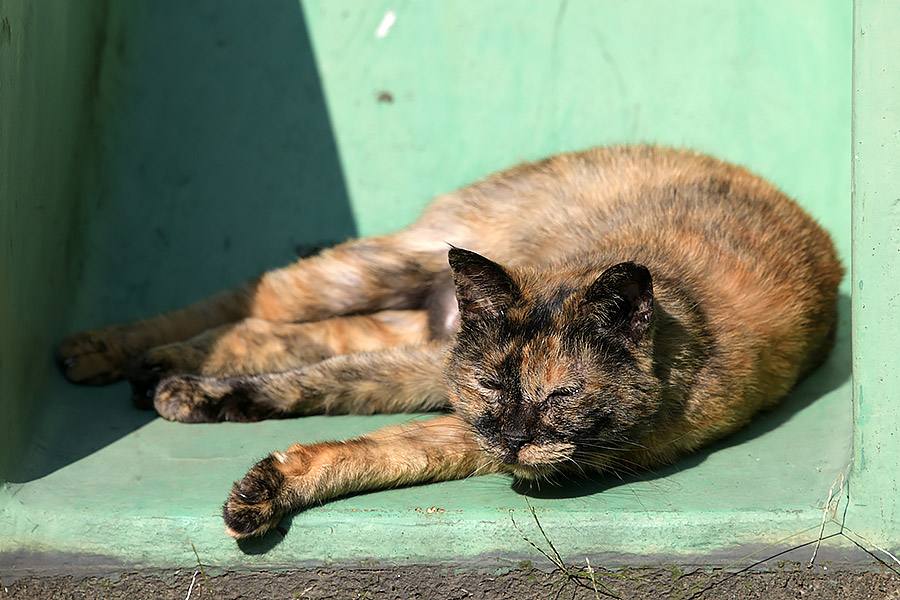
875, 494
51, 56
475, 87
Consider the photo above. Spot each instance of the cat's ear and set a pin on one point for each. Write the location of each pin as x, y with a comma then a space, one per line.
483, 288
622, 300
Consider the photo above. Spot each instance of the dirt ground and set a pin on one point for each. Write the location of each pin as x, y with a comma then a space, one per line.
789, 580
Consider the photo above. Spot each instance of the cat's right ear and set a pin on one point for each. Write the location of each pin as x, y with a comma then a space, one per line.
622, 300
483, 288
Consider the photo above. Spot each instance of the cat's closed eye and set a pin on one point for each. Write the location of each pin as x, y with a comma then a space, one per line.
560, 394
491, 385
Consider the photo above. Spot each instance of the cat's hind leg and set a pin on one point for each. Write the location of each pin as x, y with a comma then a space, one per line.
402, 379
108, 354
257, 346
357, 277
437, 449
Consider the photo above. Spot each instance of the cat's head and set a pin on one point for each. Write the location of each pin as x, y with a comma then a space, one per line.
553, 371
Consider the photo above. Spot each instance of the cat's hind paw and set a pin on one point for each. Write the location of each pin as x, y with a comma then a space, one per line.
156, 365
253, 507
144, 380
93, 358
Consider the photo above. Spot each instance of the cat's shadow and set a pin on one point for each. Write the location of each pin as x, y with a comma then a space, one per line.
827, 378
261, 545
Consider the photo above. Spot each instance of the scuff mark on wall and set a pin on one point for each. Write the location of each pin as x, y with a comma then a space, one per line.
390, 17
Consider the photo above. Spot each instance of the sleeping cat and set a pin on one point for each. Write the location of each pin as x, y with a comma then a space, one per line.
609, 309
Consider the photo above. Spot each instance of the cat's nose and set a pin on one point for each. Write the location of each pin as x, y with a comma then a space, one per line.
517, 439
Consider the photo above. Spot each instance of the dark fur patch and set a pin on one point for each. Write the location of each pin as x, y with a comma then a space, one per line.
251, 506
543, 314
243, 404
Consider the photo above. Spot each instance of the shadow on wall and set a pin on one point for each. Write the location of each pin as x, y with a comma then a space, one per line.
223, 163
221, 157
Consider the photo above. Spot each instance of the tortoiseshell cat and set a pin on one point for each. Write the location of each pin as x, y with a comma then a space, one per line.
644, 302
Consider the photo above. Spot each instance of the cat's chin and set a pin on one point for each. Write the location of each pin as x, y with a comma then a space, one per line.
529, 472
536, 462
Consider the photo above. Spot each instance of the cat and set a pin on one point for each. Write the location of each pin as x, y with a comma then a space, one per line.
607, 310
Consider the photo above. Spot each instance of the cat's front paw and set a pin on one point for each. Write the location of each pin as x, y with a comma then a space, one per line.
195, 399
258, 501
93, 357
190, 399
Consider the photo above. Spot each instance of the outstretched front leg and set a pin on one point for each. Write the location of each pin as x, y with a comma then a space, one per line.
305, 475
404, 379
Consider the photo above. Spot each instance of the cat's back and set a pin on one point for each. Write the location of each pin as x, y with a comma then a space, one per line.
692, 217
631, 195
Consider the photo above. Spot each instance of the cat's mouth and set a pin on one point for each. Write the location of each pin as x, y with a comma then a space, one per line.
530, 473
534, 461
545, 454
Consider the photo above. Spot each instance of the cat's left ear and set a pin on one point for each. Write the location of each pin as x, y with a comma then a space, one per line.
483, 288
622, 300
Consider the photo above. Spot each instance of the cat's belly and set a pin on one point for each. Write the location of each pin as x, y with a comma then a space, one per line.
443, 309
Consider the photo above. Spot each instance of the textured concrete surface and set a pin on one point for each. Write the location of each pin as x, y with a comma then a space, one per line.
785, 581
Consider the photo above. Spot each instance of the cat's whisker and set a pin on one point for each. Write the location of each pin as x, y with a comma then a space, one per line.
477, 471
614, 467
611, 443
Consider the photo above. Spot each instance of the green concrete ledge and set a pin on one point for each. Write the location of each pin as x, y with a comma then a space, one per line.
876, 258
253, 132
